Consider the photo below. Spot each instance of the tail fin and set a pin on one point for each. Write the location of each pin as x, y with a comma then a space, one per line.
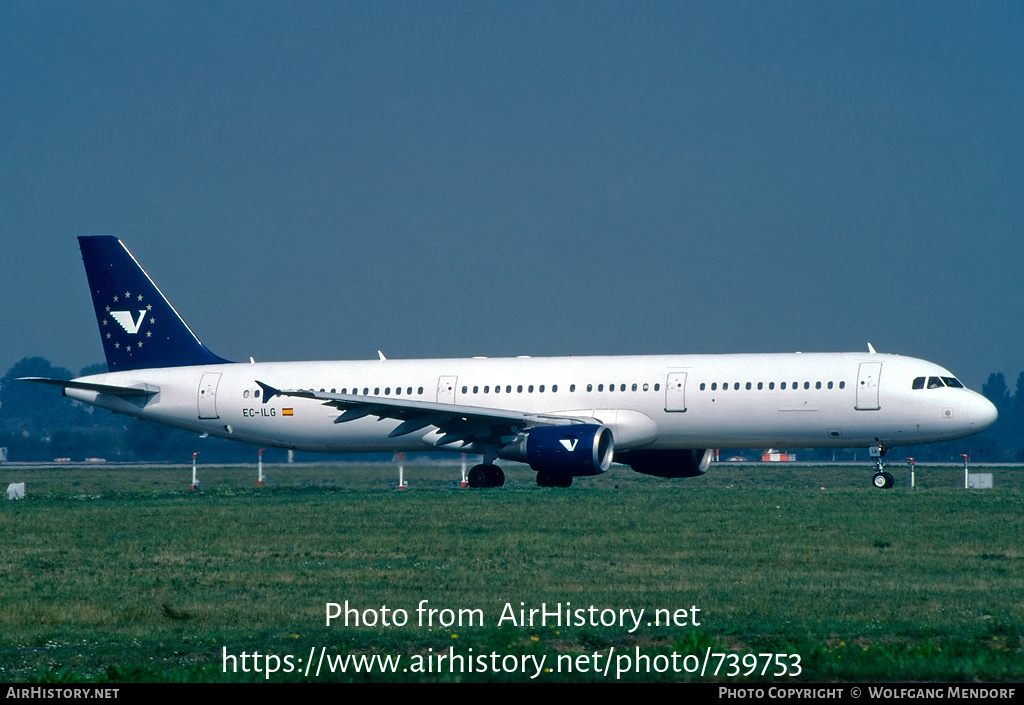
138, 326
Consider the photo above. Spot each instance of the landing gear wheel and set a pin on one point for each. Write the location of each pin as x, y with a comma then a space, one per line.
495, 477
883, 481
479, 476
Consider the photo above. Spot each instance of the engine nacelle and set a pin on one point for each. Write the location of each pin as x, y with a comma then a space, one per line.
583, 449
668, 463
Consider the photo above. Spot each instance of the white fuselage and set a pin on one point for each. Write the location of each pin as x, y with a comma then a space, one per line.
654, 402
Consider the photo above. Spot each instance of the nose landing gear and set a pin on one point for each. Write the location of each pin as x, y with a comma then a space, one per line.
882, 480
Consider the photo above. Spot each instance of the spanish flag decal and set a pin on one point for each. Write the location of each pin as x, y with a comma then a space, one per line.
287, 412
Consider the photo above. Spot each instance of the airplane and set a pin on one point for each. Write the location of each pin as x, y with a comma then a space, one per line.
565, 417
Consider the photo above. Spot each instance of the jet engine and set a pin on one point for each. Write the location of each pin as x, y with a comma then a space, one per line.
668, 463
569, 451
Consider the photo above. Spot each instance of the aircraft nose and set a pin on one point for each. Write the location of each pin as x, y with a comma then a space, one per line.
983, 413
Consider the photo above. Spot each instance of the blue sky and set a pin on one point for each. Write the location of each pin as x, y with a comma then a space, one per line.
445, 179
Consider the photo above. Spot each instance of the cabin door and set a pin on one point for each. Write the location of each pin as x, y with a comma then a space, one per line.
208, 395
675, 392
446, 389
867, 386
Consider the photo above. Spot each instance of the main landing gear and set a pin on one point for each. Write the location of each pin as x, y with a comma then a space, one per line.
882, 480
486, 475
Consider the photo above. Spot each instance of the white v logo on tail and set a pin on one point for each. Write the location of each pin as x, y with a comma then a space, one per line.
126, 321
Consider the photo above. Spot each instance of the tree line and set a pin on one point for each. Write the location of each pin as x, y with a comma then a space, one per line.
38, 424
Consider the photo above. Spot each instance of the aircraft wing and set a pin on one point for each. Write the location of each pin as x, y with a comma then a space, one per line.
124, 392
455, 422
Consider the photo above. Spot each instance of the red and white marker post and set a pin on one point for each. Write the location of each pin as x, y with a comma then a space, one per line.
402, 484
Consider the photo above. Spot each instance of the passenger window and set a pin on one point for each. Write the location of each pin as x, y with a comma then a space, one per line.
771, 385
420, 390
749, 385
622, 387
807, 385
476, 389
782, 386
387, 391
464, 389
760, 386
572, 387
657, 387
714, 386
918, 383
530, 389
508, 389
554, 388
934, 383
519, 389
647, 387
736, 386
540, 389
600, 387
701, 387
376, 391
842, 385
590, 387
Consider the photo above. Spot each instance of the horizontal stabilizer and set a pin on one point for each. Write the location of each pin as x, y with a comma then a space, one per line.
123, 392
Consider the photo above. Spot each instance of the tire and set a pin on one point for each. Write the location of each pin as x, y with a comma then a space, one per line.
479, 476
495, 477
879, 480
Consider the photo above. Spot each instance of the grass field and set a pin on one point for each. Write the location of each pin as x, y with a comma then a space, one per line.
124, 573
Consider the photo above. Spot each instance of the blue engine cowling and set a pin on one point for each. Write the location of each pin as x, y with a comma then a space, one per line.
583, 449
668, 463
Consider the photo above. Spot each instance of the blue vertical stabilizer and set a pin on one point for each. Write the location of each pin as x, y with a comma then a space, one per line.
138, 326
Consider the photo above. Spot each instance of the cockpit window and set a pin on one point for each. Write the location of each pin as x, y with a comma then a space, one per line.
934, 383
953, 382
918, 383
